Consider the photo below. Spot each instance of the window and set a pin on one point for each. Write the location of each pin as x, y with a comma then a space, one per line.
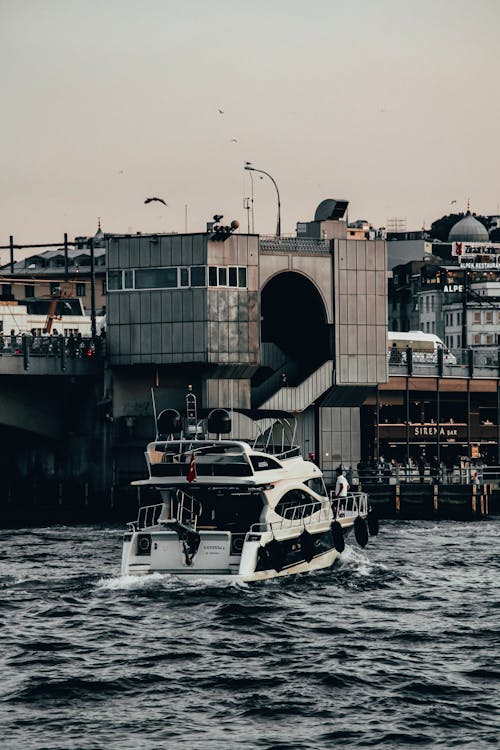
263, 463
222, 277
489, 339
115, 281
198, 276
80, 290
477, 338
103, 289
477, 316
317, 485
155, 278
234, 276
489, 316
432, 303
128, 279
29, 290
184, 276
294, 498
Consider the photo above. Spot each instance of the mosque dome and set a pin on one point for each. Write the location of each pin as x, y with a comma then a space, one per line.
99, 236
468, 229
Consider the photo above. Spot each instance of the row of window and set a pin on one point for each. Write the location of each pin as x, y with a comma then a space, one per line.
477, 339
29, 289
177, 277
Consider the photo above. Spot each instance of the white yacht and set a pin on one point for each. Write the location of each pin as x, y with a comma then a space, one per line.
248, 509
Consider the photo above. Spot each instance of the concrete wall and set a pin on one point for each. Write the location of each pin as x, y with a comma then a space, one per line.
360, 296
340, 439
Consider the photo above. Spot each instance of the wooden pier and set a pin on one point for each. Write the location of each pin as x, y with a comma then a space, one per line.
426, 501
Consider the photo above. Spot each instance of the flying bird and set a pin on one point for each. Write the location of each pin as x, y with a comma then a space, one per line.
234, 140
451, 204
160, 200
221, 111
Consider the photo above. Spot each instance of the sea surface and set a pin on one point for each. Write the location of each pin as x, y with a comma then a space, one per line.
397, 646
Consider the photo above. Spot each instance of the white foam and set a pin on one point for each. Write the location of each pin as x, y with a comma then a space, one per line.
132, 582
357, 561
167, 580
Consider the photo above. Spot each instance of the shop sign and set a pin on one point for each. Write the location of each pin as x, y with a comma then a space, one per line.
432, 431
461, 249
453, 288
424, 432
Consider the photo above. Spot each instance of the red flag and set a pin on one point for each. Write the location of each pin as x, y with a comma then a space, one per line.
191, 474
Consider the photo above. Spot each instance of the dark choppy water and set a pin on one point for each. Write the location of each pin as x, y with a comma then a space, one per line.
396, 647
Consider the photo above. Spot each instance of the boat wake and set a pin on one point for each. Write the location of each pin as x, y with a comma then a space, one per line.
166, 581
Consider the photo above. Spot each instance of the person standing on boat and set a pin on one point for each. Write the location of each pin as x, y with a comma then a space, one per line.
342, 485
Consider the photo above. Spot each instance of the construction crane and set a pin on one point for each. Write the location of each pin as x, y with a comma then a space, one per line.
63, 291
58, 293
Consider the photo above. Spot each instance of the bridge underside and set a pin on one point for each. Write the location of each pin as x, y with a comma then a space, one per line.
42, 406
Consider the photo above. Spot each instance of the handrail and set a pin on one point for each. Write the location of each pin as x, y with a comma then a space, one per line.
298, 516
143, 517
186, 513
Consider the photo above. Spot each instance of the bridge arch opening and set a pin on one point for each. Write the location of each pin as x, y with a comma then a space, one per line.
293, 316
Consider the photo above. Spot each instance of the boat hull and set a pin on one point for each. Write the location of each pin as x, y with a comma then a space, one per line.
221, 554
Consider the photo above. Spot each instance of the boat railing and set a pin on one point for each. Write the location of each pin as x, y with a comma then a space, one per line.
184, 509
316, 513
147, 516
188, 509
353, 504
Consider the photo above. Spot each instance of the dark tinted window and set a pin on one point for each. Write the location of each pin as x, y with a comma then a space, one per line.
242, 277
114, 280
198, 276
222, 277
290, 505
233, 277
155, 278
128, 280
212, 276
263, 463
184, 276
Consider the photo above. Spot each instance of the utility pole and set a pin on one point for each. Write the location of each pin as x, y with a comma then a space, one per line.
465, 295
93, 326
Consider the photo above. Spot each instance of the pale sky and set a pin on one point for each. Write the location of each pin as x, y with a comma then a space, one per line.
392, 104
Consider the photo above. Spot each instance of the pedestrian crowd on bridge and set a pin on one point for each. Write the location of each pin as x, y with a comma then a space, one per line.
75, 344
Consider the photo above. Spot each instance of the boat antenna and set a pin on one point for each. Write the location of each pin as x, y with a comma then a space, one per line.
154, 411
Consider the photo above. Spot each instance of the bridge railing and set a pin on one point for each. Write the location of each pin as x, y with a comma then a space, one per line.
46, 355
459, 363
50, 346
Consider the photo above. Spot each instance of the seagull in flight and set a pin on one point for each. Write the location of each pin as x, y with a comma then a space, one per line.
234, 140
220, 111
160, 200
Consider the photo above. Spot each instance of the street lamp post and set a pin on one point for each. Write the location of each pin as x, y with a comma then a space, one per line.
250, 168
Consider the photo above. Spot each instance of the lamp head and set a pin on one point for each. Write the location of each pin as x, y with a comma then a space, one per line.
248, 165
